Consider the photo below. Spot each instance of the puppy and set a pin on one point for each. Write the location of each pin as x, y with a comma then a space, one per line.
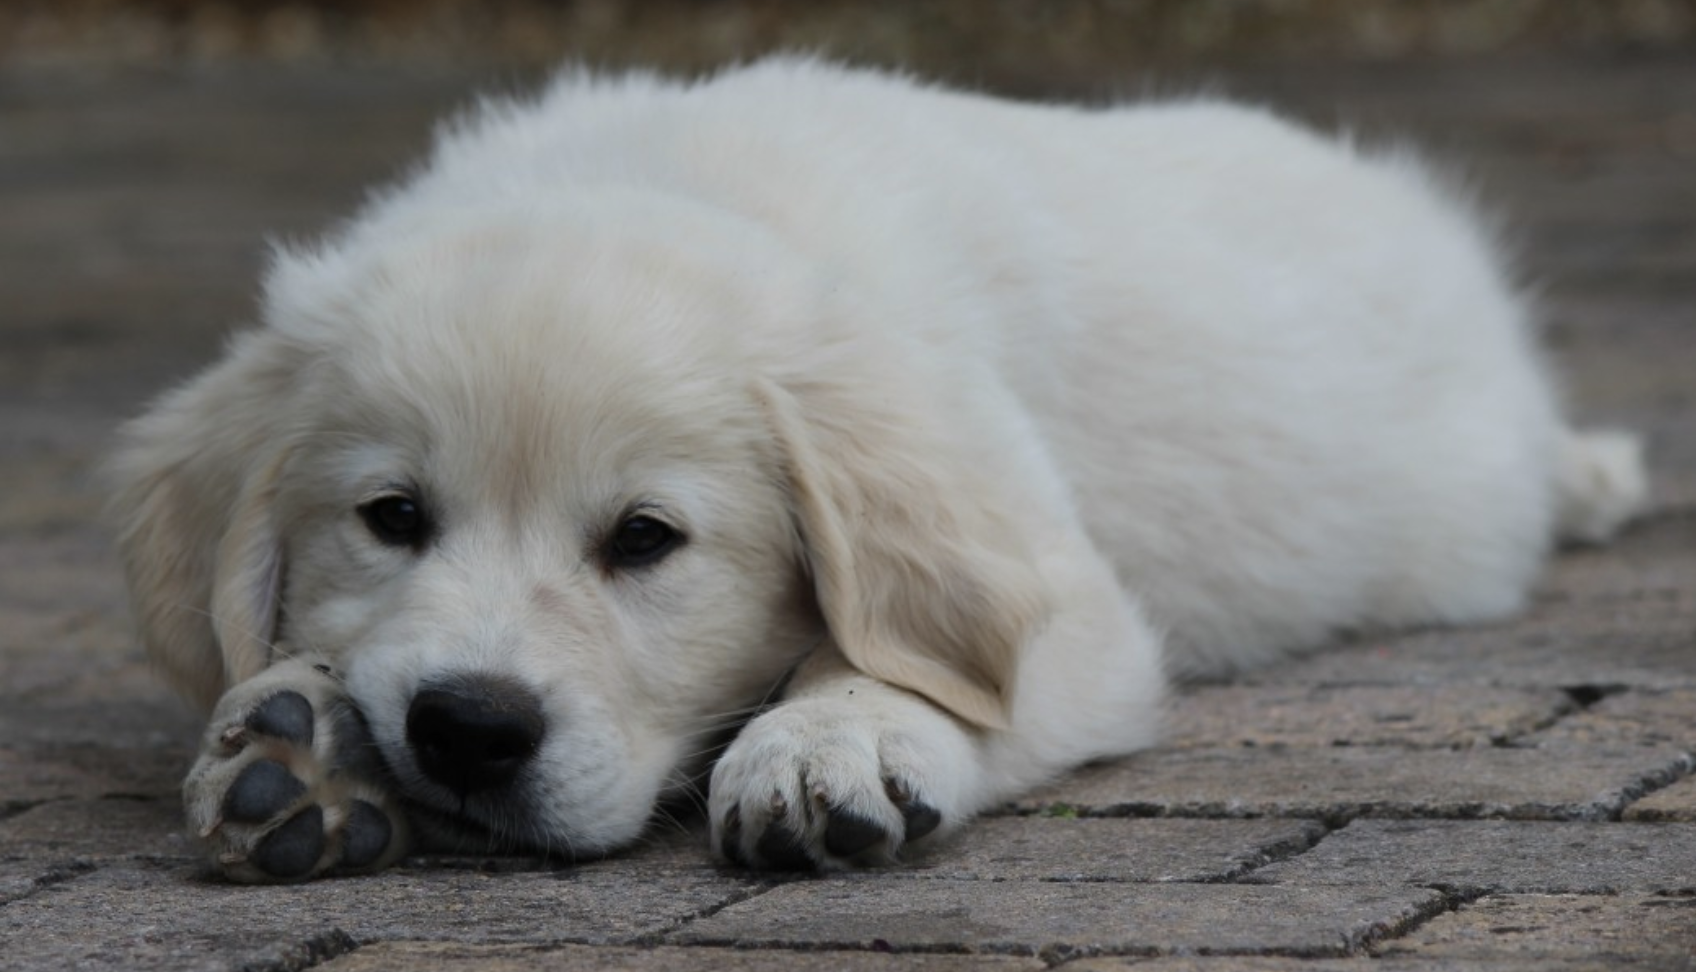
922, 437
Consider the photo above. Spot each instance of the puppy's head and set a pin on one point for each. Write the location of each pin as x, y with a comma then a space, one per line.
562, 507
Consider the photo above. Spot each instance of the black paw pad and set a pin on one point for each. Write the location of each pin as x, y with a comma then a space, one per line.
922, 818
356, 751
781, 849
262, 791
730, 838
286, 715
291, 850
848, 834
367, 835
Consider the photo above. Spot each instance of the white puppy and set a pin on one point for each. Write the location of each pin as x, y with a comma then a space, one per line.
951, 426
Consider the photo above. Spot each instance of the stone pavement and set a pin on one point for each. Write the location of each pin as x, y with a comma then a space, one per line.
1519, 797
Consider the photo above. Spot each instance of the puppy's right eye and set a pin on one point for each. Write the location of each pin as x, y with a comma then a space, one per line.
395, 520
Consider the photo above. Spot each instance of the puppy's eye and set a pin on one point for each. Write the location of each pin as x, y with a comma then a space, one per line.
395, 520
640, 540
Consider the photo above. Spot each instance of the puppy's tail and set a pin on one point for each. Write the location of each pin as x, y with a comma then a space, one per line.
1602, 485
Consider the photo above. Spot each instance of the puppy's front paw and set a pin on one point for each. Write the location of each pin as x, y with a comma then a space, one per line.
288, 783
828, 783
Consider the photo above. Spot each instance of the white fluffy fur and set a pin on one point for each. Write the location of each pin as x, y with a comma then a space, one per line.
997, 414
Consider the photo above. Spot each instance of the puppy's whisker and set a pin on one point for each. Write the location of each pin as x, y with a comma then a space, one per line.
279, 649
725, 718
312, 648
728, 718
712, 750
670, 822
273, 647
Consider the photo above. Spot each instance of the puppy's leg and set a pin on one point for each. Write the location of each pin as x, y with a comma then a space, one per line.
849, 770
288, 785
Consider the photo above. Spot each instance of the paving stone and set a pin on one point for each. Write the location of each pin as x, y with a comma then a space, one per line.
121, 707
1057, 919
63, 616
1547, 783
17, 879
1372, 715
52, 656
69, 567
1645, 573
51, 485
1640, 717
1271, 963
85, 829
1569, 651
1660, 931
71, 671
433, 956
22, 877
1474, 856
1112, 849
158, 917
662, 854
35, 775
1675, 802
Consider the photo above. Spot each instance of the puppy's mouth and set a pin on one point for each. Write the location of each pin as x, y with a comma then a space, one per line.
448, 820
462, 830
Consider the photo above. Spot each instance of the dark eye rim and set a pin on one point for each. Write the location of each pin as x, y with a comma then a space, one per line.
396, 518
621, 551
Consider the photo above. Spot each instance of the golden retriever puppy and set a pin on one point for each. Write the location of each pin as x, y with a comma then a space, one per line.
920, 436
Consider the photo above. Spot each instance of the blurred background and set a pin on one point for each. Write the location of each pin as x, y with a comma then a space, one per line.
1008, 44
1003, 43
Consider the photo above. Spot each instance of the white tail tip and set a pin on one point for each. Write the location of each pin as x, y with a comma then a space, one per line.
1602, 485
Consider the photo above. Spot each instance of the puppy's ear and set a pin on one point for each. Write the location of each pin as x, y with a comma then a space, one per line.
923, 582
193, 484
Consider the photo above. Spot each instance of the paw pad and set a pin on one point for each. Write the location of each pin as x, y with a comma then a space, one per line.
919, 817
286, 715
262, 791
293, 849
782, 849
730, 837
849, 834
365, 836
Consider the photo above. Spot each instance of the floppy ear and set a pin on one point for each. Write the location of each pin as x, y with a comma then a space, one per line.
194, 481
924, 584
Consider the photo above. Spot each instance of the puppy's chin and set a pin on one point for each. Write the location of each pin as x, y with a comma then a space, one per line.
518, 833
522, 820
439, 832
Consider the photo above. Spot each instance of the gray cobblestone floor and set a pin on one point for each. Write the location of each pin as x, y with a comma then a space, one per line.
1517, 797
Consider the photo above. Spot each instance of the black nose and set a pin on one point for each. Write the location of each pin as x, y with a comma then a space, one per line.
474, 732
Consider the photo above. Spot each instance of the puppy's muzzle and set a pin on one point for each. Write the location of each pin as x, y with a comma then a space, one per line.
475, 732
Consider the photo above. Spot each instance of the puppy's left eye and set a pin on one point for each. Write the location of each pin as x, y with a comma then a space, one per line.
396, 520
640, 540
